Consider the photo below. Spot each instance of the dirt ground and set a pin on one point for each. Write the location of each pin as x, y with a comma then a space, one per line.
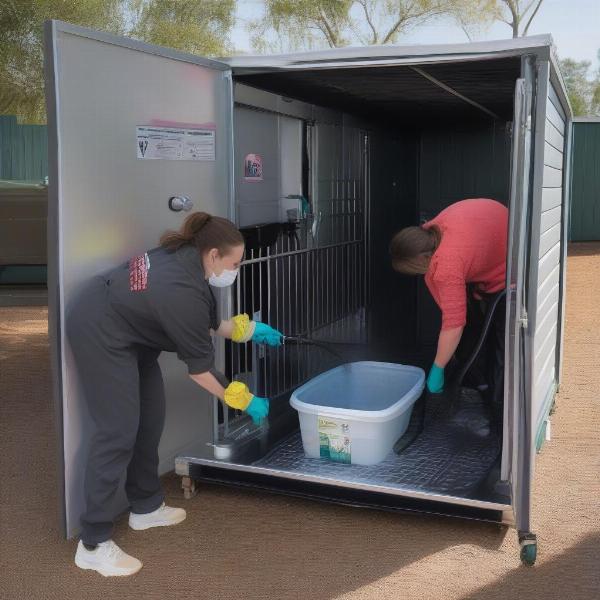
243, 545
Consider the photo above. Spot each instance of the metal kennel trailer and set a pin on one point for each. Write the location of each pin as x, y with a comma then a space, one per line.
374, 139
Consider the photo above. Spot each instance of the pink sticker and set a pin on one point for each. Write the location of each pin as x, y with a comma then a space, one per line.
138, 272
253, 169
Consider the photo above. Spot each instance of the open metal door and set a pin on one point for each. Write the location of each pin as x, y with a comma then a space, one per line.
130, 126
518, 438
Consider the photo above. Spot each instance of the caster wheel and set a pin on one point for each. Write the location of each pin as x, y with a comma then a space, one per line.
528, 543
529, 554
189, 487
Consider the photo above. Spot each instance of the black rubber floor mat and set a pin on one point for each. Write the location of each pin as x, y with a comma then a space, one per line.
415, 426
457, 447
452, 456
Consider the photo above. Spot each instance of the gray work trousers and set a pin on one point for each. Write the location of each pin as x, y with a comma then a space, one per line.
124, 392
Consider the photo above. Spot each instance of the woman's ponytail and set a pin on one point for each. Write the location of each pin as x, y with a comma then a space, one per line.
205, 232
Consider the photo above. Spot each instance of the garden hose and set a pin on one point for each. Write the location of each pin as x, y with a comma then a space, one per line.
484, 330
303, 341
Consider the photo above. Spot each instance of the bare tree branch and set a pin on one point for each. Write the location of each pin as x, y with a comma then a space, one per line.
514, 11
330, 34
364, 4
406, 18
531, 18
463, 25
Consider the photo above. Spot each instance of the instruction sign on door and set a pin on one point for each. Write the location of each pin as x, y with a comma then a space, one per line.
172, 143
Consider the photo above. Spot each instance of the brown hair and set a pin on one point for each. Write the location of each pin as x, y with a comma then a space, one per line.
409, 244
204, 232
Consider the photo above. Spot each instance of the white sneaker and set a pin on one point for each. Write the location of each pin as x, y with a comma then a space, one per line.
161, 517
108, 559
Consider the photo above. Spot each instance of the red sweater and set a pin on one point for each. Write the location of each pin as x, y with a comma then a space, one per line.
472, 250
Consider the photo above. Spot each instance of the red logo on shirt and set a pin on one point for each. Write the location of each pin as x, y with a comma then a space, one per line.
138, 273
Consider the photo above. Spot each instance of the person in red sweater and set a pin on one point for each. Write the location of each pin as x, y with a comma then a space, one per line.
463, 248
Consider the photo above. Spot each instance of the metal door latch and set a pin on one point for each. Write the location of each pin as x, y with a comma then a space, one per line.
524, 321
179, 203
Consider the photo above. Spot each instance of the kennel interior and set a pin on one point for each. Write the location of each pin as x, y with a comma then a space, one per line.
372, 149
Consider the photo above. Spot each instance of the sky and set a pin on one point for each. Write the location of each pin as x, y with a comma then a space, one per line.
574, 25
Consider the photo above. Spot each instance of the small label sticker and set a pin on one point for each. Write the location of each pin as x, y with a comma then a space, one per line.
335, 440
173, 143
253, 167
138, 272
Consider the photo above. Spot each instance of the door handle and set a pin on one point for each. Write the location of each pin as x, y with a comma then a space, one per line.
179, 203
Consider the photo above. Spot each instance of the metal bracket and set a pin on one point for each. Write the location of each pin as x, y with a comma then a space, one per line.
524, 320
189, 487
452, 91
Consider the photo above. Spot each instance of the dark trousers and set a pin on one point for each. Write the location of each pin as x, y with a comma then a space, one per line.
488, 368
123, 388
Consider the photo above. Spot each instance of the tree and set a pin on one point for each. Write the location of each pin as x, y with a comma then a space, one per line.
21, 46
595, 103
518, 13
383, 22
584, 93
314, 23
195, 26
303, 23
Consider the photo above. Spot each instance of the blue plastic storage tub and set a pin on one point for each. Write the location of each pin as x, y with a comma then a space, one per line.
356, 412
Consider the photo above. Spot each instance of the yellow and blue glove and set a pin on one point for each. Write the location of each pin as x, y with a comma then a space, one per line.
245, 330
435, 379
265, 334
239, 397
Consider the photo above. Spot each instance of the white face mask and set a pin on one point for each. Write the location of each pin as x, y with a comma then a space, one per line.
225, 279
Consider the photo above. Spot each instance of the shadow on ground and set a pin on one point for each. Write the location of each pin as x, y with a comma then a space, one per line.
573, 574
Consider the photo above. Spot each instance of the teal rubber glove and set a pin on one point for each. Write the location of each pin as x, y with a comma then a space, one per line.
435, 379
265, 334
258, 409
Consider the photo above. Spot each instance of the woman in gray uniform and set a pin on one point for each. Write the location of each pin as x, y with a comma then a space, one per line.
161, 300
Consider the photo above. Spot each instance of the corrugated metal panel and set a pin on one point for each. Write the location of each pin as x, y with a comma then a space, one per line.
257, 133
545, 333
550, 218
549, 239
328, 175
542, 390
23, 150
585, 182
463, 162
555, 101
554, 137
548, 269
555, 118
550, 295
552, 156
398, 94
547, 263
547, 285
551, 198
23, 212
552, 177
392, 207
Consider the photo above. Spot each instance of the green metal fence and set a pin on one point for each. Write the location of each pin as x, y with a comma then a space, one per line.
585, 181
23, 150
23, 203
